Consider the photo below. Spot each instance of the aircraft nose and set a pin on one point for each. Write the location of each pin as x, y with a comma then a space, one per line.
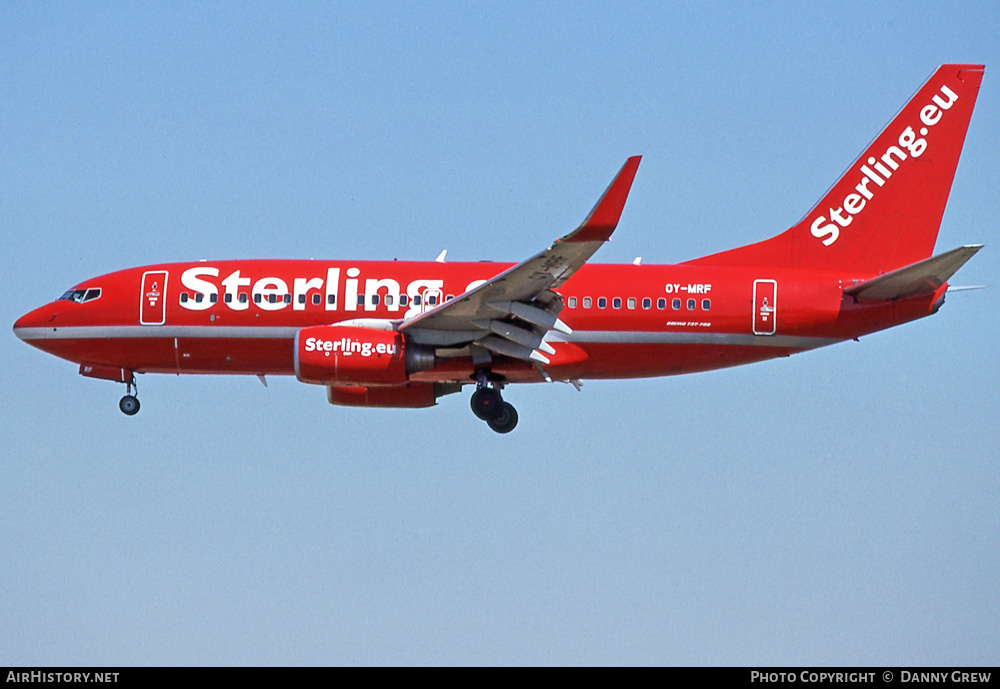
38, 318
21, 326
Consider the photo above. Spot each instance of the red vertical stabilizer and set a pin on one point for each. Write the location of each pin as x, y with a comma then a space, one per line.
884, 213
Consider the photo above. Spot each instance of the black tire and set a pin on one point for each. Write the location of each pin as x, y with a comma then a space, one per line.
504, 419
129, 405
485, 402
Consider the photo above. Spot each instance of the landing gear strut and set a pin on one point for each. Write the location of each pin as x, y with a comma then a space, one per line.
488, 405
129, 404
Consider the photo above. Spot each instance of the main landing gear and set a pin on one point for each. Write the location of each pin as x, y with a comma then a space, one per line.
129, 404
488, 405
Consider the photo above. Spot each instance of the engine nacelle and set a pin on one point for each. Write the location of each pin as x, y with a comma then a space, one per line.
409, 396
352, 355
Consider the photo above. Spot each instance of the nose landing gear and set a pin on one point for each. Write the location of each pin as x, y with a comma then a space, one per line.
488, 405
129, 404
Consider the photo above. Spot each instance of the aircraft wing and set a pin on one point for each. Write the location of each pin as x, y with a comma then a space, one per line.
511, 313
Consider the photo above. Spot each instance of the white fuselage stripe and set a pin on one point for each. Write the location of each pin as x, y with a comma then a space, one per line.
101, 332
645, 337
288, 333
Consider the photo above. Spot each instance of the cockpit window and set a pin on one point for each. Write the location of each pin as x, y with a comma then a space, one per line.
81, 295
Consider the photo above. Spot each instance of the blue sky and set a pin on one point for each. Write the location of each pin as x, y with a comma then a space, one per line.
837, 507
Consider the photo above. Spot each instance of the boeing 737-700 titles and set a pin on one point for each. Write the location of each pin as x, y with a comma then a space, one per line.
402, 334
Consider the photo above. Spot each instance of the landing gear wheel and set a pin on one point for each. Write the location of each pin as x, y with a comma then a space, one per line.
504, 419
485, 402
129, 405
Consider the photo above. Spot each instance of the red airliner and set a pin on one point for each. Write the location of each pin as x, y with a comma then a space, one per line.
402, 334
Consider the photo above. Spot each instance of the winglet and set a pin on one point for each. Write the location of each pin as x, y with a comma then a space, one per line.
603, 219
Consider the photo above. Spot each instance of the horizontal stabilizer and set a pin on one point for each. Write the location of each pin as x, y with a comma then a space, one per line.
922, 277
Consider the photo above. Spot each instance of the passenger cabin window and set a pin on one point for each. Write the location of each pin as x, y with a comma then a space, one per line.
676, 304
257, 298
432, 300
184, 297
213, 297
602, 302
317, 299
587, 302
361, 300
375, 300
661, 303
388, 300
572, 302
616, 303
243, 297
403, 299
706, 304
331, 299
302, 299
692, 304
647, 303
631, 302
228, 298
199, 297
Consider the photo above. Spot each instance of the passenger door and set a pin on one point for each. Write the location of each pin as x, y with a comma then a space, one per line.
153, 299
